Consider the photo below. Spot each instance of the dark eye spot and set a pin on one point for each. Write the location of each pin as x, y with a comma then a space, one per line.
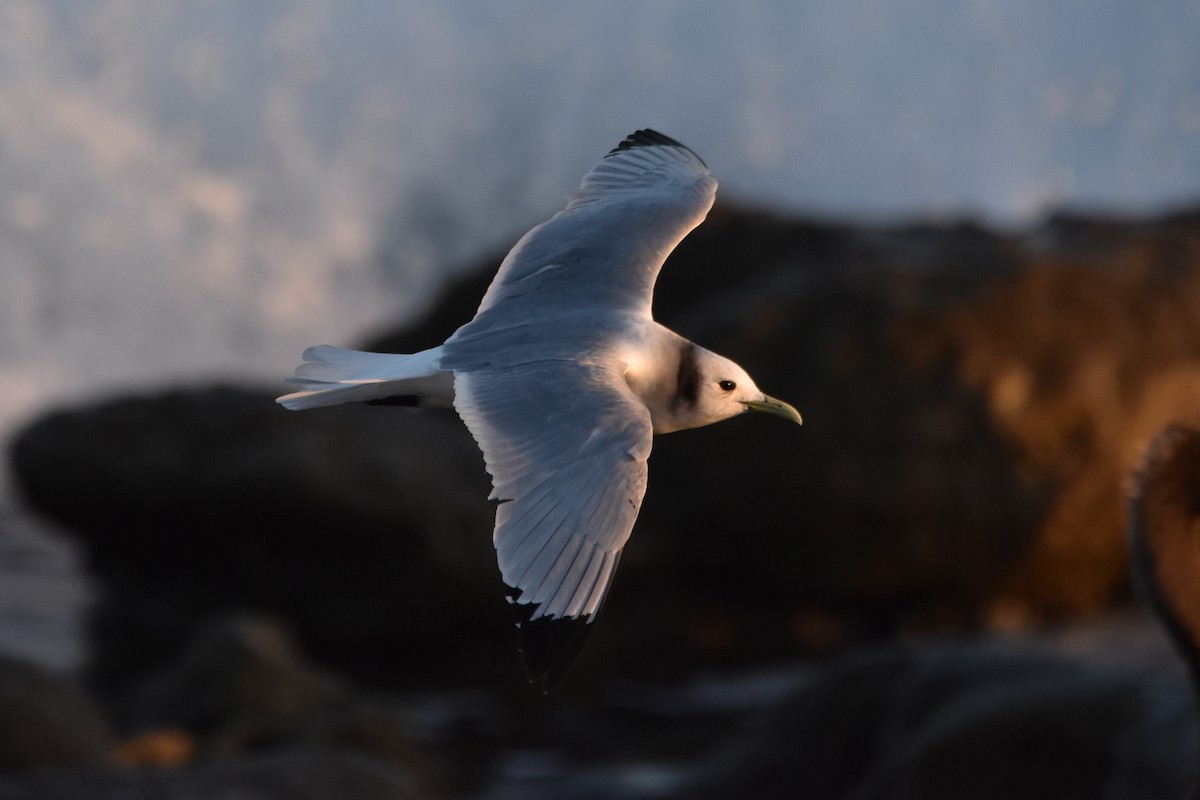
727, 386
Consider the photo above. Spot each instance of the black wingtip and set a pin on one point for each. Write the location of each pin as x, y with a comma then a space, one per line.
549, 645
650, 138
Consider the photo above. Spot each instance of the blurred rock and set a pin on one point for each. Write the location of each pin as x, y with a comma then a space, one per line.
240, 690
160, 747
365, 528
960, 720
239, 683
47, 721
291, 775
972, 399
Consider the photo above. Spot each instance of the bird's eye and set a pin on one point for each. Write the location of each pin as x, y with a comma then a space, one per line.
727, 386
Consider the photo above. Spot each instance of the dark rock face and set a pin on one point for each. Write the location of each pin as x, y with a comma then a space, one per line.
964, 720
238, 682
289, 775
972, 400
195, 502
240, 713
48, 721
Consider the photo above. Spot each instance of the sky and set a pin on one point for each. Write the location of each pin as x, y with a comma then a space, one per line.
192, 191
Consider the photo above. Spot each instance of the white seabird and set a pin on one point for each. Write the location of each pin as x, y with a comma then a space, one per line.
562, 377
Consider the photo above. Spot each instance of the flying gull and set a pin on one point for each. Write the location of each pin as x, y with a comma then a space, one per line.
563, 377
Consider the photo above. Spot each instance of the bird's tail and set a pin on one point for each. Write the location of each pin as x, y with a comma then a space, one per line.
332, 375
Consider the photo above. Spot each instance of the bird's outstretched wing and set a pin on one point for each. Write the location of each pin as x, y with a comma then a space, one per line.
566, 445
606, 247
539, 384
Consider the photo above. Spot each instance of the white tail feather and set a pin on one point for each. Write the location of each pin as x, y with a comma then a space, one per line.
332, 375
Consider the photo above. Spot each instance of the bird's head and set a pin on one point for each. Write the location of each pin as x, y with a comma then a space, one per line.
710, 388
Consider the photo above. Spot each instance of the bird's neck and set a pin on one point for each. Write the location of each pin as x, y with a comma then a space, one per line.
662, 370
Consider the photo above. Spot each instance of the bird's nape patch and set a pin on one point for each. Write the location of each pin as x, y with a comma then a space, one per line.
687, 378
549, 645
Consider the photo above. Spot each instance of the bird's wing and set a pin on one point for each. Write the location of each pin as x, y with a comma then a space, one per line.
606, 247
566, 445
